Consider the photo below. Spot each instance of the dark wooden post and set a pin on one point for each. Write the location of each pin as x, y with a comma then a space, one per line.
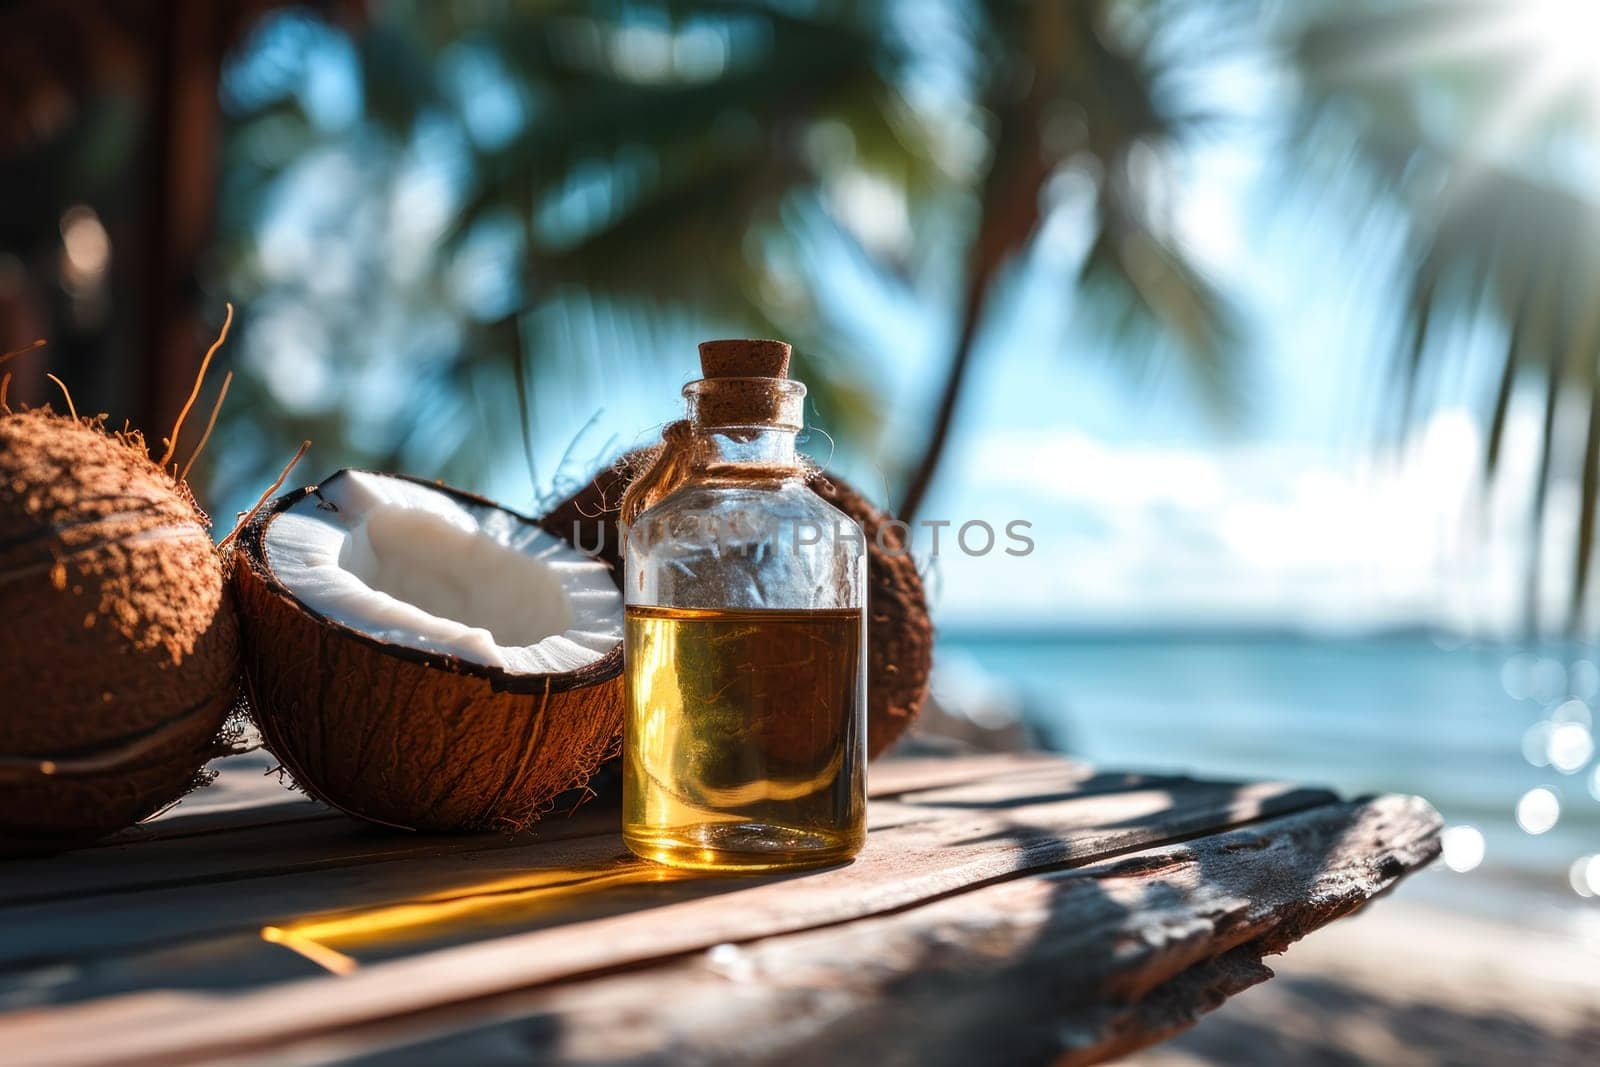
180, 177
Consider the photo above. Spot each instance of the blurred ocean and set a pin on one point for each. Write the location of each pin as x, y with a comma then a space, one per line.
1403, 712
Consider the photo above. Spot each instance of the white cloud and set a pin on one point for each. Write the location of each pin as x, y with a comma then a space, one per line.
1252, 533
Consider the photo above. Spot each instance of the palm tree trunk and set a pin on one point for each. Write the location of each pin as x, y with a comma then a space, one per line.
977, 295
1044, 36
1008, 216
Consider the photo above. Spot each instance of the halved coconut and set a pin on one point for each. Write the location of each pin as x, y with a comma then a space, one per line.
421, 657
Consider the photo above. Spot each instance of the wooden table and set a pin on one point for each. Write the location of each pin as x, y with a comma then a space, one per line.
1017, 908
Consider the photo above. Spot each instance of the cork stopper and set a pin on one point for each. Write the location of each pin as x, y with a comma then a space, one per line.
746, 384
744, 357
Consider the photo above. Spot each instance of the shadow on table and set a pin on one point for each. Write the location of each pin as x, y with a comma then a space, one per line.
373, 913
958, 998
1067, 994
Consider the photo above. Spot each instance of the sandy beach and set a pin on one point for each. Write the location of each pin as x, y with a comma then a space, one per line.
1412, 981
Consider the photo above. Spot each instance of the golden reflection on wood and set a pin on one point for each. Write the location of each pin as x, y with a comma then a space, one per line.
492, 903
324, 957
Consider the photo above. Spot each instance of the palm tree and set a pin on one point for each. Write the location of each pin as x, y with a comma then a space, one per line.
682, 158
1050, 60
1467, 118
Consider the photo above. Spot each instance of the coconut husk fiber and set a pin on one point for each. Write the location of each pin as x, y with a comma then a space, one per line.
119, 653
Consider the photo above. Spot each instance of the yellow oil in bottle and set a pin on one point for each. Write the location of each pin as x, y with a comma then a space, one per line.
744, 737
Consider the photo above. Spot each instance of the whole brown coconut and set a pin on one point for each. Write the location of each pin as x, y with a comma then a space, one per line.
399, 733
119, 649
899, 633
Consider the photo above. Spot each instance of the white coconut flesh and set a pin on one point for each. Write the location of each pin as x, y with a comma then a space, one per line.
413, 566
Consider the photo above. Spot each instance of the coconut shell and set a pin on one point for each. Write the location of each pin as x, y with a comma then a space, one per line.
406, 737
119, 654
899, 633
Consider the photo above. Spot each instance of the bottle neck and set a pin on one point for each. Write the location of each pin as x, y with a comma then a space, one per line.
743, 429
746, 452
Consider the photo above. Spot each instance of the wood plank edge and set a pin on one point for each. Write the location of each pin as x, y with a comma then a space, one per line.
1270, 807
1041, 853
1177, 986
911, 778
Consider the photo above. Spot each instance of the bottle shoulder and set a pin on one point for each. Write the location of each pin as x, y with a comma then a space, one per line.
791, 500
739, 546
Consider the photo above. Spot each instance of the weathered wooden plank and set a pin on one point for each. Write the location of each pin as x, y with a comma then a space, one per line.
536, 893
237, 843
581, 875
247, 791
915, 849
242, 817
1070, 967
261, 851
902, 866
270, 852
891, 777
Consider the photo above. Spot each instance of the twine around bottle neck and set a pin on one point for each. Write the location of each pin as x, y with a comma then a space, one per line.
691, 453
745, 398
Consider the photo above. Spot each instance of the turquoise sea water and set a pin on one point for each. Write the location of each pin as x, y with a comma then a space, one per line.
1361, 714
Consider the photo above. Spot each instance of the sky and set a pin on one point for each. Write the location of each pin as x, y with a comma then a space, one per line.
1150, 510
1145, 507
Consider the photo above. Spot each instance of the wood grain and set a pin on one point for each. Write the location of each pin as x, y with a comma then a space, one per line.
270, 831
1116, 905
915, 849
1070, 967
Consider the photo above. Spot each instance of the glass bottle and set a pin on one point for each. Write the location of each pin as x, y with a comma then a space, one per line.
744, 643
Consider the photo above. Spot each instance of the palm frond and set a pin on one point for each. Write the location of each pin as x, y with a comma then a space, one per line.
1491, 239
1140, 289
1140, 286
